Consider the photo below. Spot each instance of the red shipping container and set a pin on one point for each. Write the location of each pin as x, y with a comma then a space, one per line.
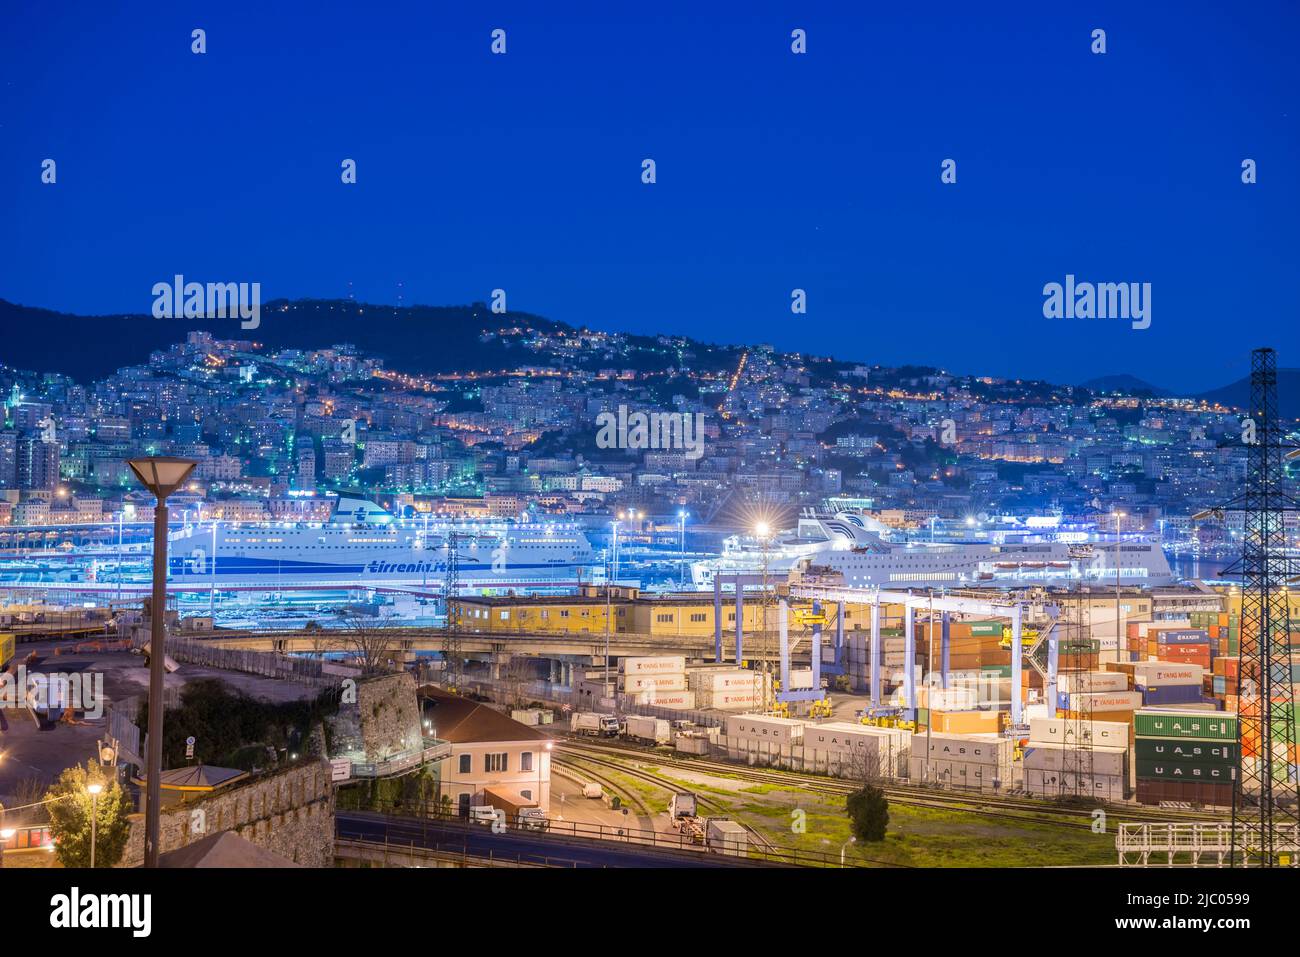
1215, 794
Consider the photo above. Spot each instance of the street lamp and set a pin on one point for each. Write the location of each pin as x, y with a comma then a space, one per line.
1119, 637
161, 475
763, 530
681, 575
844, 846
94, 790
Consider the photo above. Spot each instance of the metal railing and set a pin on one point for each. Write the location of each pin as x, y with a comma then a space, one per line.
559, 829
433, 750
1188, 845
450, 852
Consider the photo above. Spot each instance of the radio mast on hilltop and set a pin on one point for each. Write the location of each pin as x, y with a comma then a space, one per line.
1265, 815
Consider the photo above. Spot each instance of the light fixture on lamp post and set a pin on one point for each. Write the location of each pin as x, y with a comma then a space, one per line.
161, 475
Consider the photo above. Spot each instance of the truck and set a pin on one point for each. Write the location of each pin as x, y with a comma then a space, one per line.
519, 811
683, 809
593, 723
7, 649
649, 730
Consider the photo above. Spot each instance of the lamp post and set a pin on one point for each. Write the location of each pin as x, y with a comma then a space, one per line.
94, 790
844, 846
609, 574
762, 530
161, 475
1119, 635
681, 574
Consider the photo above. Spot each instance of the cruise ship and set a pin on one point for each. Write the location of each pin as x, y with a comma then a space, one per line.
857, 549
363, 544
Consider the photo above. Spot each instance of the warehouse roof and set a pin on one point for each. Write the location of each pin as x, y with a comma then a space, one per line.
461, 721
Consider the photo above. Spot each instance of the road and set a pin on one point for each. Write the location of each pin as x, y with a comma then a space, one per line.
479, 841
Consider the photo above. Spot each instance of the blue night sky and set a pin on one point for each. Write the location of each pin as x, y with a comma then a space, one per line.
775, 171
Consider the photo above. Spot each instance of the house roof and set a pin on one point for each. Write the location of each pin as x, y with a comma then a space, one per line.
461, 721
197, 777
225, 849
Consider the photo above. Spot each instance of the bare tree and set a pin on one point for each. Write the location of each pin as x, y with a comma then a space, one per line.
515, 675
371, 640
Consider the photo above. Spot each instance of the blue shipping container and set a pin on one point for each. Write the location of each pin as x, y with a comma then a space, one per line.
1182, 637
1171, 694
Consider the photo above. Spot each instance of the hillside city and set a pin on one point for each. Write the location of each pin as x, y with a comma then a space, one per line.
785, 430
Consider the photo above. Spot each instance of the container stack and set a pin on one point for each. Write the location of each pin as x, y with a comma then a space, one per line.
762, 739
1141, 637
1077, 758
728, 690
1221, 683
1185, 756
1224, 631
863, 751
1089, 682
1286, 759
977, 761
657, 682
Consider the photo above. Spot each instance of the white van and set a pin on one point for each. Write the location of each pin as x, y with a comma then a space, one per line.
482, 814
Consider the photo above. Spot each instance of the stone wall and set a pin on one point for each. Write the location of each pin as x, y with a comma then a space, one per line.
389, 715
289, 812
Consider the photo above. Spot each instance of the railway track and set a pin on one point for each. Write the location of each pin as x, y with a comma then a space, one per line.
667, 784
624, 793
1023, 810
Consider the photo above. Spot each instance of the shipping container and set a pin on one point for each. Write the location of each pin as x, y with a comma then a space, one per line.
668, 699
966, 722
1184, 771
726, 837
729, 700
634, 684
1169, 723
959, 774
738, 680
651, 730
669, 664
1187, 750
1091, 681
1055, 783
1061, 731
1170, 694
1095, 760
1183, 637
1106, 701
765, 728
965, 748
1156, 673
691, 743
1202, 793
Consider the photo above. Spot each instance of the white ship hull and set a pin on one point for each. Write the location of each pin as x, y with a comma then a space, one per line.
496, 556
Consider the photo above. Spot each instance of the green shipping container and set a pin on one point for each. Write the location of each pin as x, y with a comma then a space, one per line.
1202, 725
1002, 671
986, 629
1184, 771
1186, 751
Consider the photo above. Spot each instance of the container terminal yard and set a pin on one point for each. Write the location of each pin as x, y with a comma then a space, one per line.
767, 730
